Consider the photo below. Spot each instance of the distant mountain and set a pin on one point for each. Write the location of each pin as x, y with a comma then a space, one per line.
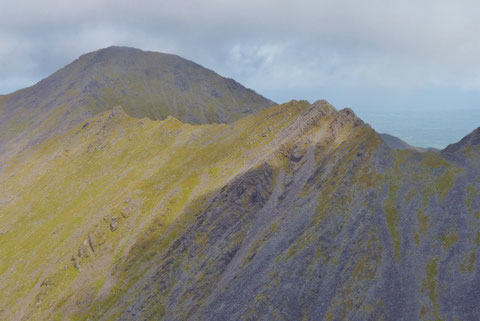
396, 143
146, 84
296, 212
466, 144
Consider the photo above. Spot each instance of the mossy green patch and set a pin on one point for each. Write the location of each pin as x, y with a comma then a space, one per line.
392, 219
423, 221
471, 193
448, 239
445, 183
430, 286
433, 160
468, 265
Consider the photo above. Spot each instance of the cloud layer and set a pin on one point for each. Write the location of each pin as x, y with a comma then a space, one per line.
351, 52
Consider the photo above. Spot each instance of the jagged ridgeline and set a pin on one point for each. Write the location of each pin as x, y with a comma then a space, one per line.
297, 212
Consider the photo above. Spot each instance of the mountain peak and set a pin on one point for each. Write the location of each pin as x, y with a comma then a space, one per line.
348, 115
146, 84
122, 55
114, 48
324, 106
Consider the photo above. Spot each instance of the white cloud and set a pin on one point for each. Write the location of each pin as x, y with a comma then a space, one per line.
274, 46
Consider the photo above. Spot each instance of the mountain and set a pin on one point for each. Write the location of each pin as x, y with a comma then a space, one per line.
466, 144
397, 143
296, 212
146, 84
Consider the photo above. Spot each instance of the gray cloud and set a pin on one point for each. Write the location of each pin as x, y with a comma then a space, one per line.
352, 52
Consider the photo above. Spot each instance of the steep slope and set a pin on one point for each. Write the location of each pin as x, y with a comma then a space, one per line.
146, 84
297, 212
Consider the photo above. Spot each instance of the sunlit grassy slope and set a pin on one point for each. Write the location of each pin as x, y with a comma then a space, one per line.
297, 212
54, 195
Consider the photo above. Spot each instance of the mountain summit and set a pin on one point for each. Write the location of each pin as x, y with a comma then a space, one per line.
147, 84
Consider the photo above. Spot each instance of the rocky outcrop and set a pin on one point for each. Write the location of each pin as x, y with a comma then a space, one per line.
94, 243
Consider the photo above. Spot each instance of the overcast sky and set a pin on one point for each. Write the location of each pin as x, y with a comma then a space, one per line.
361, 54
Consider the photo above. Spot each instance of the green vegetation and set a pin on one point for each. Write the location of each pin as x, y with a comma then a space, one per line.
448, 239
430, 286
392, 219
471, 193
423, 220
468, 264
143, 173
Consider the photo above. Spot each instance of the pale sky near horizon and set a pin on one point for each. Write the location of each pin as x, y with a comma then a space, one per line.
373, 56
